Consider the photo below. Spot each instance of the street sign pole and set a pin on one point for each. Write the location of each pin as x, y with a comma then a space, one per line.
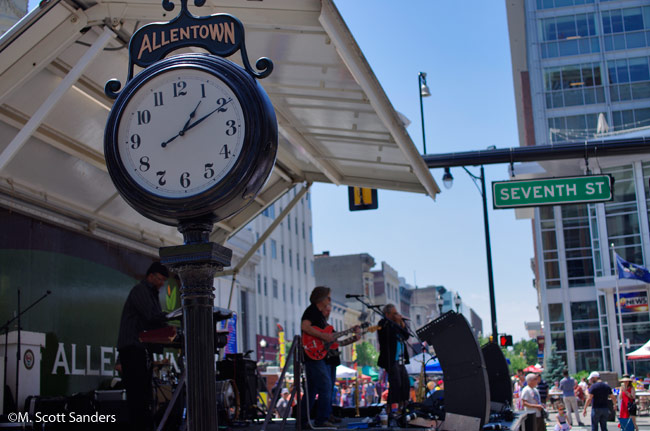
488, 252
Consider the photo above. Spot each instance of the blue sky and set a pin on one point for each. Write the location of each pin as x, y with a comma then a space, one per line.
463, 47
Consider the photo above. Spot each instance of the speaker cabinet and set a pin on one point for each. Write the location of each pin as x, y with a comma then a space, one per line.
498, 376
465, 374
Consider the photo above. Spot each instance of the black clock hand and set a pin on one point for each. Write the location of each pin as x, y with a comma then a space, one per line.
196, 123
164, 144
182, 132
187, 123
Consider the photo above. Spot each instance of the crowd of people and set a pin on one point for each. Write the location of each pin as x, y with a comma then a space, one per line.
570, 397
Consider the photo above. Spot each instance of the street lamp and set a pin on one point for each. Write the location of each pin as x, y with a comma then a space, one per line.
457, 301
263, 346
423, 88
488, 249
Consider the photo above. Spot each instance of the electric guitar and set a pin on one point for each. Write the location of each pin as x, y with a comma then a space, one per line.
317, 349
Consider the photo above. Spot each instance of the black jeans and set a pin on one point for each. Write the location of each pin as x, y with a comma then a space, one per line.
137, 376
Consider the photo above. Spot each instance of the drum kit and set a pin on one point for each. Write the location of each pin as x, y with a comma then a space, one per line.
168, 381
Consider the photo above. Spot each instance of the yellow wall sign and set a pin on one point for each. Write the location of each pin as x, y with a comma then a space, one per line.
361, 198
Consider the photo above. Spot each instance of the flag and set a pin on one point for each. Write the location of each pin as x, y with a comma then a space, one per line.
631, 270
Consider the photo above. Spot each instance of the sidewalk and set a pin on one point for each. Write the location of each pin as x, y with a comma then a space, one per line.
643, 422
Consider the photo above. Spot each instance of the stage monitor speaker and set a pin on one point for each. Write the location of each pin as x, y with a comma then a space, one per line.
498, 376
244, 372
463, 367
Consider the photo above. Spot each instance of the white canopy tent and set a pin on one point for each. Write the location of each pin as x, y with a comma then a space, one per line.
336, 123
343, 372
642, 352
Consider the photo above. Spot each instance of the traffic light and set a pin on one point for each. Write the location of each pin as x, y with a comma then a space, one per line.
505, 340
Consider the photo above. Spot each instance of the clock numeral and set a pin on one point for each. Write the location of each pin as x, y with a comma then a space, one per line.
185, 180
135, 141
180, 88
144, 117
225, 152
203, 91
158, 98
220, 103
144, 163
162, 181
209, 172
232, 129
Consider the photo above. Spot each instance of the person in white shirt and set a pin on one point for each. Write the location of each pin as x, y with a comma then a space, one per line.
533, 404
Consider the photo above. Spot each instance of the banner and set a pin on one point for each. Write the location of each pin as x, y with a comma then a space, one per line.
231, 325
634, 302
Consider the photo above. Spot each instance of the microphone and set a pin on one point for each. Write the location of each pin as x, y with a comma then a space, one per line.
353, 296
48, 292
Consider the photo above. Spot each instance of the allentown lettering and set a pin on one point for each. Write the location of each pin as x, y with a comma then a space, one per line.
221, 32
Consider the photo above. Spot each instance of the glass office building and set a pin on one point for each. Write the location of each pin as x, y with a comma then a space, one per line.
581, 72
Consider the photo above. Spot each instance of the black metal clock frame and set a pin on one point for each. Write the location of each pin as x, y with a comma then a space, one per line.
198, 260
246, 177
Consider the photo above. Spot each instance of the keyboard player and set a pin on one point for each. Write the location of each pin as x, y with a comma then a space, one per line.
142, 311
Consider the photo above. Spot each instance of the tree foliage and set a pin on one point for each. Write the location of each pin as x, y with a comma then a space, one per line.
367, 355
555, 366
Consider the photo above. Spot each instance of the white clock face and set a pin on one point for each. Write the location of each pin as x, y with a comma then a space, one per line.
181, 133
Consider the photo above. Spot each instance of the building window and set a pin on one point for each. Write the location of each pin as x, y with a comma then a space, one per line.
624, 28
267, 326
309, 200
556, 321
269, 211
274, 286
299, 300
257, 238
622, 219
274, 249
304, 264
259, 318
646, 182
568, 35
282, 253
631, 118
586, 335
550, 4
549, 246
312, 268
284, 292
577, 244
290, 258
291, 293
264, 248
573, 85
289, 223
595, 241
266, 291
311, 236
303, 230
629, 79
259, 284
573, 127
298, 261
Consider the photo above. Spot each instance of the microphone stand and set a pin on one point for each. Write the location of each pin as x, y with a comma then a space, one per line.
377, 309
5, 328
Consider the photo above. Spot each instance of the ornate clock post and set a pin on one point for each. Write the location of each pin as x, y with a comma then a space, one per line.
191, 140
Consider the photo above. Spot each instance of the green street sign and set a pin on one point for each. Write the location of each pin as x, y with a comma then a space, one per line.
552, 191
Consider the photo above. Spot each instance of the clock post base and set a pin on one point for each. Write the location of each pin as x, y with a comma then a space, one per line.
196, 265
